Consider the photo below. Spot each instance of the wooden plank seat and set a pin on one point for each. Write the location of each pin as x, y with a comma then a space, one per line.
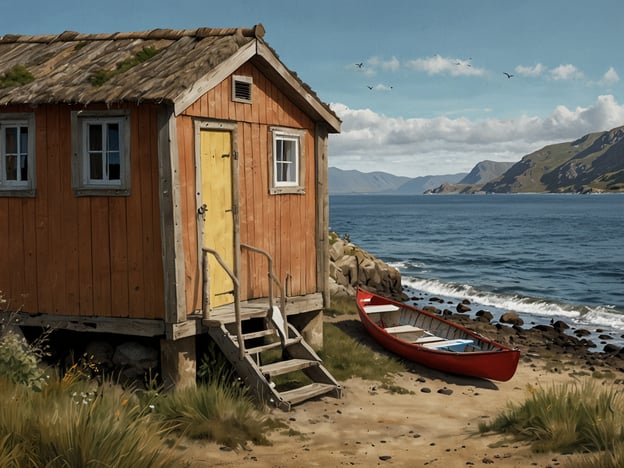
403, 329
449, 345
428, 339
371, 309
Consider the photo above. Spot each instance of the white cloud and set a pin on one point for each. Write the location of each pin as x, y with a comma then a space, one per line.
438, 65
533, 71
416, 147
566, 72
610, 77
391, 65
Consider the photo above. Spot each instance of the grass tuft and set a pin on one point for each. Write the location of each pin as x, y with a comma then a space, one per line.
345, 358
223, 413
566, 418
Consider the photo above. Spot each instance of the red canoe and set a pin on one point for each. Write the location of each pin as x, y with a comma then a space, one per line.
432, 341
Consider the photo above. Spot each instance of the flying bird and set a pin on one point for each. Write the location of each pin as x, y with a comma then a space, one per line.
359, 65
508, 75
369, 87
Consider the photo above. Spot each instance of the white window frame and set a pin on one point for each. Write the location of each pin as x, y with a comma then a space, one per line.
18, 188
82, 183
295, 183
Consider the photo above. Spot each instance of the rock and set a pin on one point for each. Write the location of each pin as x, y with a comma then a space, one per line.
611, 348
385, 457
485, 315
560, 325
582, 332
461, 307
511, 318
445, 391
605, 337
352, 267
135, 358
100, 352
431, 309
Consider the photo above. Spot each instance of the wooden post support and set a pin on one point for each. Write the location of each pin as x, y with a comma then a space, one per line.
178, 362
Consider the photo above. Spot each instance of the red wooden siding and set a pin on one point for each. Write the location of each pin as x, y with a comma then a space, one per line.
84, 256
284, 225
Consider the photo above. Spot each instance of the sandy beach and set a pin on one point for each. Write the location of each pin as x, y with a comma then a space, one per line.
434, 425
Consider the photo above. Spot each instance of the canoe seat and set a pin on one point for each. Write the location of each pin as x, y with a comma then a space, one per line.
449, 345
428, 339
371, 309
403, 329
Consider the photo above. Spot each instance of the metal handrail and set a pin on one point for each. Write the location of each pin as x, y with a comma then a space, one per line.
274, 278
206, 302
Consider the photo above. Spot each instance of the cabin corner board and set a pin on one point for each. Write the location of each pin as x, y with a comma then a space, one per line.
171, 218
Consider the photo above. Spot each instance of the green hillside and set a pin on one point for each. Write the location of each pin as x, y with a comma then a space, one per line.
593, 163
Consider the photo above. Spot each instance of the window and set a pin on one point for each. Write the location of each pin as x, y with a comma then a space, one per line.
17, 155
101, 164
287, 158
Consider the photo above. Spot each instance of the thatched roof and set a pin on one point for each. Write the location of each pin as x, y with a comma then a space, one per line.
161, 65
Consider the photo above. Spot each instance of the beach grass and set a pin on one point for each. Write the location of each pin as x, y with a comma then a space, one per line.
79, 424
575, 417
344, 357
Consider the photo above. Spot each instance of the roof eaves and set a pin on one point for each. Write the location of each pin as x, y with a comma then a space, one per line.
214, 77
277, 71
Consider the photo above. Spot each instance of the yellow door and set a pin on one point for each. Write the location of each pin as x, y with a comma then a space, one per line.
216, 193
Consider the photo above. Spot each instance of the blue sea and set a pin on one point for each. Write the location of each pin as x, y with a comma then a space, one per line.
545, 256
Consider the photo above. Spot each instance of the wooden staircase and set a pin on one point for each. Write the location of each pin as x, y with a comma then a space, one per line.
270, 352
270, 347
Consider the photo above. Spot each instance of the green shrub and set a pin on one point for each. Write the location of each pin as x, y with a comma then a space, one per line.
20, 362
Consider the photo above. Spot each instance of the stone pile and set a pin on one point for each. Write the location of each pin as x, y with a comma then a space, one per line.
351, 267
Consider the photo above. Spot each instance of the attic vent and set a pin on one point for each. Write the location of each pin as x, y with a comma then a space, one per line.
241, 89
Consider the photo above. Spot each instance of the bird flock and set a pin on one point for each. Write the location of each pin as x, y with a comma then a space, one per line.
360, 66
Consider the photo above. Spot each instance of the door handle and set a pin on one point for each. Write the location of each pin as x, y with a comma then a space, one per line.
202, 210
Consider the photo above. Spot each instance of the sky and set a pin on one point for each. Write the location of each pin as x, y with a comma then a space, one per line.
420, 86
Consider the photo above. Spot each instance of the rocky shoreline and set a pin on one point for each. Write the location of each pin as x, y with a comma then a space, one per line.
352, 267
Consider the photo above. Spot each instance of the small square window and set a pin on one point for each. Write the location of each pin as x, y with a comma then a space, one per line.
287, 161
241, 89
17, 155
101, 149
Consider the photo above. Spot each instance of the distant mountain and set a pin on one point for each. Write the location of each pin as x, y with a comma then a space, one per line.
343, 182
482, 173
593, 163
486, 171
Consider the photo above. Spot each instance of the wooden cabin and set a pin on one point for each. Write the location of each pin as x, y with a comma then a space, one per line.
167, 183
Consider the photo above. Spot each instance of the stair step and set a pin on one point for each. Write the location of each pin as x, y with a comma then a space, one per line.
284, 367
306, 392
258, 334
259, 349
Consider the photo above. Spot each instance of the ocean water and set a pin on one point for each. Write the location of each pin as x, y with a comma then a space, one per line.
544, 256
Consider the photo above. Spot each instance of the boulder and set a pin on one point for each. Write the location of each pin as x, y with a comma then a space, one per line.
352, 267
511, 318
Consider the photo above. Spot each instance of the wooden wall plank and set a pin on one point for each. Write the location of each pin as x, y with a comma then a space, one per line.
5, 277
44, 257
155, 256
85, 257
101, 257
138, 288
119, 257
